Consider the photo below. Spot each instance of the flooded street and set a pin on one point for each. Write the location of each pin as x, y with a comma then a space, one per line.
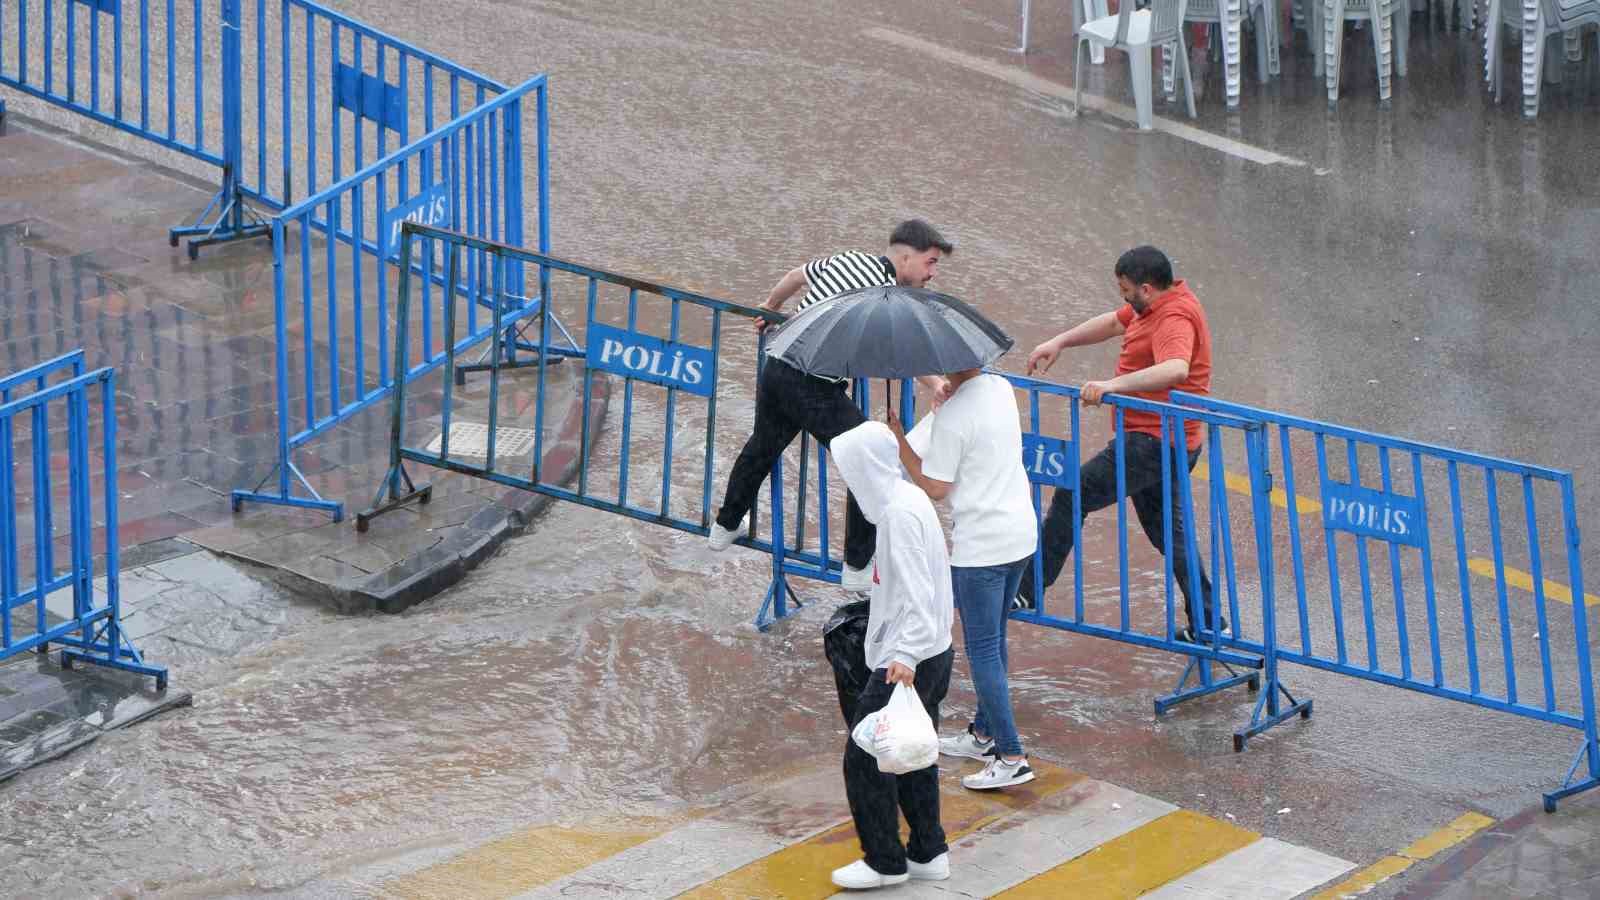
1425, 271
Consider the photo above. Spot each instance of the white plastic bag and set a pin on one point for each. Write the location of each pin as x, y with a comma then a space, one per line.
900, 736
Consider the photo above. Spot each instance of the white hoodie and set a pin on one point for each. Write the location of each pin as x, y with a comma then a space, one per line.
913, 607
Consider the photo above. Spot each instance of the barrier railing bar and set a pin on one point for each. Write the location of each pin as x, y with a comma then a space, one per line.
310, 386
627, 406
43, 527
1469, 628
1429, 591
311, 110
72, 54
588, 390
1536, 564
1335, 595
261, 95
1077, 527
356, 27
1330, 429
199, 81
1220, 487
1580, 628
452, 272
545, 299
1363, 566
1402, 625
144, 63
672, 402
1120, 429
8, 524
711, 414
497, 283
1503, 600
49, 46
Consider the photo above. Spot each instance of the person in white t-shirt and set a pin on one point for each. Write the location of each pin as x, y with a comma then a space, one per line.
972, 454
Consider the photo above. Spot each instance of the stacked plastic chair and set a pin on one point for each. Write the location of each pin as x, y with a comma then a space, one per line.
1390, 22
1228, 17
1536, 23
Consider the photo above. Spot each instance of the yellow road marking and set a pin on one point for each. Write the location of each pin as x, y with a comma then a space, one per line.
1520, 579
1428, 847
801, 871
519, 863
1240, 484
1139, 861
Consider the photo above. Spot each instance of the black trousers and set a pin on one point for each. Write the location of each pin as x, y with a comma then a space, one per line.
787, 402
1142, 477
877, 800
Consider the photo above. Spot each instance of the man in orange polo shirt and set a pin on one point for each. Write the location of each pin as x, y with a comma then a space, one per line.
1166, 344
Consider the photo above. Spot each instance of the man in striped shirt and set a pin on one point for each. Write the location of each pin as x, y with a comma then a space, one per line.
788, 400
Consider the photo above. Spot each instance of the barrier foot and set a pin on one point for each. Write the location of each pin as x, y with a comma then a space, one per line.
235, 222
284, 498
513, 340
1570, 787
1206, 683
397, 498
776, 593
1268, 713
100, 651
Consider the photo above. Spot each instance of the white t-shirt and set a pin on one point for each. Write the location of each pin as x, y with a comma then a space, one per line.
974, 441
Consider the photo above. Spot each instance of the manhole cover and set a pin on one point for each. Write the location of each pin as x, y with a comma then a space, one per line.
472, 439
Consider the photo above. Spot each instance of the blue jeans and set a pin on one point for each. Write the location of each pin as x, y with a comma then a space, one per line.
983, 597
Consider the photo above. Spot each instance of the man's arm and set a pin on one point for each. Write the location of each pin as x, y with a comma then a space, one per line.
1103, 327
1159, 377
787, 286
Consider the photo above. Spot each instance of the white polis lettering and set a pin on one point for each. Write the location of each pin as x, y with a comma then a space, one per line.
433, 212
1049, 460
647, 358
1387, 516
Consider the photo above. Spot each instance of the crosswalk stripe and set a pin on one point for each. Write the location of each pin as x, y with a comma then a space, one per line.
1139, 861
1060, 828
726, 838
801, 871
500, 869
1268, 869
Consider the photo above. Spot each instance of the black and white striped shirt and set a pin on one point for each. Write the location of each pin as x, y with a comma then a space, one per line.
833, 275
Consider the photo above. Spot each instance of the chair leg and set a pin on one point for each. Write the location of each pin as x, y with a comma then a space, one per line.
1263, 37
1169, 62
1383, 48
1188, 79
1269, 15
1533, 41
1491, 49
1139, 60
1332, 42
1077, 78
1231, 50
1574, 39
1314, 38
1096, 9
1402, 40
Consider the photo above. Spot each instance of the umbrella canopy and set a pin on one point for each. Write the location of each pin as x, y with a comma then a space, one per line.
888, 332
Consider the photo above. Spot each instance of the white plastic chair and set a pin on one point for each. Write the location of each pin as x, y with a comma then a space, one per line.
1228, 16
1536, 23
1390, 22
1135, 32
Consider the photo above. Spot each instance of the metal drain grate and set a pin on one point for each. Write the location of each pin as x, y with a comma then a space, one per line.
472, 439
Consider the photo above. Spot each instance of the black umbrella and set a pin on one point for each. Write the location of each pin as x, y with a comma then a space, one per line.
888, 332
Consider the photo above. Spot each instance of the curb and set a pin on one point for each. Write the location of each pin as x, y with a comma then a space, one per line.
421, 576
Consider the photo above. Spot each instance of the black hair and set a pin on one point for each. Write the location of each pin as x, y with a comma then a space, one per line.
1145, 265
920, 236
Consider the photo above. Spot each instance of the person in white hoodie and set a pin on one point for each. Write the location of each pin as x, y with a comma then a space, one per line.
908, 642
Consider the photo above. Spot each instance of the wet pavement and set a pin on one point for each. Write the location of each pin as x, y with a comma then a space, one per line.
1425, 272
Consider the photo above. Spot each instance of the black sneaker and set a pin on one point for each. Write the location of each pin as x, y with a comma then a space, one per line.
1020, 603
1186, 634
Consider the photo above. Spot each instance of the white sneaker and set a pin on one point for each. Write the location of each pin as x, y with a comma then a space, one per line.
722, 538
966, 745
858, 580
936, 869
859, 876
999, 774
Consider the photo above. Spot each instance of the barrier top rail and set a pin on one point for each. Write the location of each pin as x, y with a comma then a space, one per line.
1356, 434
73, 360
394, 43
416, 147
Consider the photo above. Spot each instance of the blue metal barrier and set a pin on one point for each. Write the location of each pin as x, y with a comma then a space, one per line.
31, 403
1367, 502
254, 88
683, 365
334, 250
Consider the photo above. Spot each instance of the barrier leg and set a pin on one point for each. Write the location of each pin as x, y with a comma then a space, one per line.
1568, 786
235, 220
778, 592
1270, 711
513, 340
1206, 682
121, 655
284, 498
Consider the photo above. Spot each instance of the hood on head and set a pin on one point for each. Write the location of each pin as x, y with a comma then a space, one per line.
868, 456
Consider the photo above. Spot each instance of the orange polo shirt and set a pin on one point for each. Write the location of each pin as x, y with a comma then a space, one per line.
1174, 327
